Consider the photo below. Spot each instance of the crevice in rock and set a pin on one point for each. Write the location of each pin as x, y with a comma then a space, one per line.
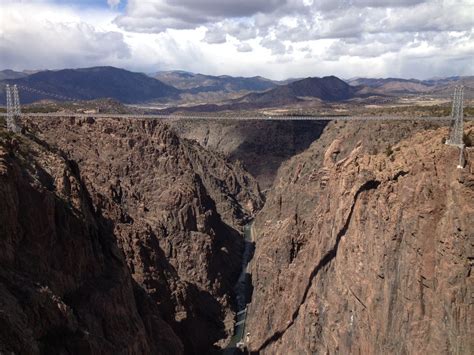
399, 174
328, 257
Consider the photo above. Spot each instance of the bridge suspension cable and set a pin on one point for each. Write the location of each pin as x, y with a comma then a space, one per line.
455, 136
44, 93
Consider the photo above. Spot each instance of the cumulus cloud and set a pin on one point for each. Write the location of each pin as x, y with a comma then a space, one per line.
277, 38
215, 36
296, 20
276, 47
40, 37
244, 47
332, 5
160, 15
234, 28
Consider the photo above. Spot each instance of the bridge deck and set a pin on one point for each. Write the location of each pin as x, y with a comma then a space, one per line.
240, 118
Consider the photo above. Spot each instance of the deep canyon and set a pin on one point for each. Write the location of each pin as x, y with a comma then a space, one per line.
126, 236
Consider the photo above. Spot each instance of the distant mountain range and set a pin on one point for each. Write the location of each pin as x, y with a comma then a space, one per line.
180, 87
396, 86
329, 88
93, 83
197, 83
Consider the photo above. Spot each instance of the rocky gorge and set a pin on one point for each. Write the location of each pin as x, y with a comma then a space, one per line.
126, 236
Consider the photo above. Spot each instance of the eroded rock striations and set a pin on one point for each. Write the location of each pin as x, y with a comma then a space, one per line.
365, 252
64, 283
172, 208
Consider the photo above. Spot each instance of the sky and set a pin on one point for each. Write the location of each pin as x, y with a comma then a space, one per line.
278, 39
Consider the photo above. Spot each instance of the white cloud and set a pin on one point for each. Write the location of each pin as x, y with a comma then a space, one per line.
277, 47
215, 36
39, 36
244, 47
153, 16
274, 38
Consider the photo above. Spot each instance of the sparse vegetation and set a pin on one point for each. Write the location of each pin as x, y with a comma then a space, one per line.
388, 151
40, 109
5, 135
468, 139
417, 110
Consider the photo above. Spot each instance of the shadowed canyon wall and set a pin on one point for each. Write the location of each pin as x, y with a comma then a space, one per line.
173, 209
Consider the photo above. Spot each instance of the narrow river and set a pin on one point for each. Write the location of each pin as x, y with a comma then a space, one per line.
242, 289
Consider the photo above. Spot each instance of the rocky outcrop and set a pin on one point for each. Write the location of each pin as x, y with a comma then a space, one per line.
174, 210
64, 283
363, 246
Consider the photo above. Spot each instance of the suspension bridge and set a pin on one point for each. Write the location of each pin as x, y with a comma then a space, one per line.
455, 137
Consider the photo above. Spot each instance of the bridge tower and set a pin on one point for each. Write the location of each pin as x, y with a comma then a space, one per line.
457, 126
13, 108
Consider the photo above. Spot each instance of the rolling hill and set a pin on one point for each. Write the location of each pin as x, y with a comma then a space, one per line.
328, 88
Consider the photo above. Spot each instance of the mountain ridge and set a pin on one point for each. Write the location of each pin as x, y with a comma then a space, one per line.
328, 88
93, 83
197, 82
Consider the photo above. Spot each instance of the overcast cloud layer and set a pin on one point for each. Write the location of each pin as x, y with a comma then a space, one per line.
273, 38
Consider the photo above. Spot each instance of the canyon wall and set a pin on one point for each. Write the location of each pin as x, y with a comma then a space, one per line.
174, 210
119, 236
262, 146
365, 246
64, 283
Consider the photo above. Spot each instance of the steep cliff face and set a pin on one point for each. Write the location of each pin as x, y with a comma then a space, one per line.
262, 146
64, 283
175, 211
366, 252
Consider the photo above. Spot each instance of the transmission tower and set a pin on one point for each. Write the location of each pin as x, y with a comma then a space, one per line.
13, 108
457, 125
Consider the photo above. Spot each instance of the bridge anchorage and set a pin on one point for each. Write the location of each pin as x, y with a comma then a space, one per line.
457, 125
13, 108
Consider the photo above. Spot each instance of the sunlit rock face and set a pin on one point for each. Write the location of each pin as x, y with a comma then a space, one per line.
366, 249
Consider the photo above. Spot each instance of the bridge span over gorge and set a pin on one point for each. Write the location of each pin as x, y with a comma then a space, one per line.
456, 119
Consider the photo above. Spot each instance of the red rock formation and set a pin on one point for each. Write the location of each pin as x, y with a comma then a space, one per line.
174, 209
64, 283
366, 253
